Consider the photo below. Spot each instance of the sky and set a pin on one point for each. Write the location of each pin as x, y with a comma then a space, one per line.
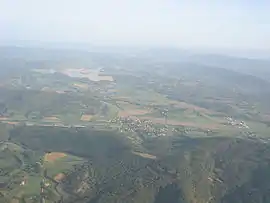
228, 24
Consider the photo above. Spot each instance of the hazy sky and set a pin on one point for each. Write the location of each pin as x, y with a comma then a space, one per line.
190, 23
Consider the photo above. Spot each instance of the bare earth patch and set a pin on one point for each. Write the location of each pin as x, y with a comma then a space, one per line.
86, 117
59, 177
11, 122
145, 155
105, 78
3, 118
53, 156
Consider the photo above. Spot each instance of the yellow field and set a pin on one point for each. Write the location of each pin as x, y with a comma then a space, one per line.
82, 86
105, 78
86, 117
52, 118
53, 156
144, 155
131, 109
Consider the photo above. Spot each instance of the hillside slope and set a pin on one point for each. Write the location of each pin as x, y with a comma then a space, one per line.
181, 169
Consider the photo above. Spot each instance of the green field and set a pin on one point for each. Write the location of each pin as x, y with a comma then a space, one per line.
62, 165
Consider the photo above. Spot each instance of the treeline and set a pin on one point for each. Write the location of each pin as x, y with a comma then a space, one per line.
28, 102
87, 143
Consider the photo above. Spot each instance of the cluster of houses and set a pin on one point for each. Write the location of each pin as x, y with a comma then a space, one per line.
144, 127
236, 123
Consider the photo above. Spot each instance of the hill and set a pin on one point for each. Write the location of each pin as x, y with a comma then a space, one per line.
168, 126
214, 169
